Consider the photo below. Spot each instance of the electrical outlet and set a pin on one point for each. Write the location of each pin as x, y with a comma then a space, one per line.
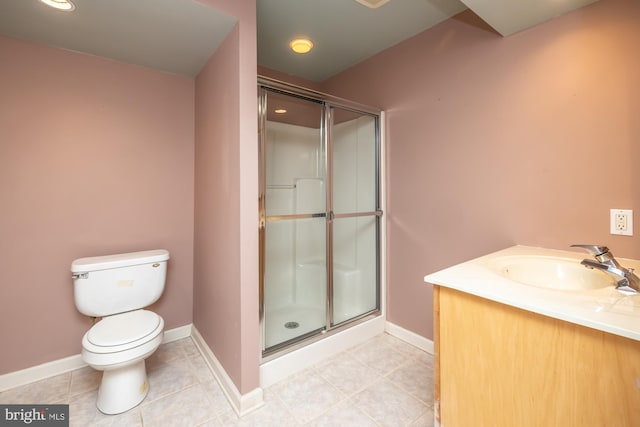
622, 222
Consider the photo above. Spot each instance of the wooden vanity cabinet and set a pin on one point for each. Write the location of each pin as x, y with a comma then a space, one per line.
496, 365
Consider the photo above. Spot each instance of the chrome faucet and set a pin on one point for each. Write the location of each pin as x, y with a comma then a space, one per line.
626, 280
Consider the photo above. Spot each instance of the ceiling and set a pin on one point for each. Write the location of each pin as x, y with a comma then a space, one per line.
179, 36
344, 32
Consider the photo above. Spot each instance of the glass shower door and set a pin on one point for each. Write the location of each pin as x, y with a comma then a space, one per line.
319, 216
294, 206
355, 215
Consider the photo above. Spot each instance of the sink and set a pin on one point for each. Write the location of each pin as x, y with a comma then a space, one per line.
550, 272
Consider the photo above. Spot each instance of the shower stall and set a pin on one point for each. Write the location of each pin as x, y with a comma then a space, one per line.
320, 215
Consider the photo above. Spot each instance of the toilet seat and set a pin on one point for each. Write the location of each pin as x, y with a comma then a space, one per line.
123, 328
122, 332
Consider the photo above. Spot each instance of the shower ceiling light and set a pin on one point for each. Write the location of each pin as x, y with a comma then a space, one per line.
373, 4
65, 5
301, 45
280, 111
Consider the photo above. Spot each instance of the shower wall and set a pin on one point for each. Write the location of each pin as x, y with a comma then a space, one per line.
295, 184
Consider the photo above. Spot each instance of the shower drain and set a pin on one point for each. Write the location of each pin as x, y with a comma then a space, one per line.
291, 325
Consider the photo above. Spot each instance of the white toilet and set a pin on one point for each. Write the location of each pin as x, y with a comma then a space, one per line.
117, 288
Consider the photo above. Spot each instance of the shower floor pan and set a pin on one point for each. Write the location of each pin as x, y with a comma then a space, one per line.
286, 323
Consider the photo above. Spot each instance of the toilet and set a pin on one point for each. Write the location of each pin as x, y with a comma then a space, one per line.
117, 288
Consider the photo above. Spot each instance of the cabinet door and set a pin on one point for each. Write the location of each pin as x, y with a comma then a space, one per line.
502, 366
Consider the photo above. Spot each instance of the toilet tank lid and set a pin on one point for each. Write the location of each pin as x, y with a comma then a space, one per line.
118, 260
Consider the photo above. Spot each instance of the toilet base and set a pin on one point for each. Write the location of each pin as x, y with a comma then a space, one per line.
122, 388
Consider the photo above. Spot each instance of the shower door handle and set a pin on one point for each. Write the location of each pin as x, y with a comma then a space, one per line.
294, 216
330, 216
356, 214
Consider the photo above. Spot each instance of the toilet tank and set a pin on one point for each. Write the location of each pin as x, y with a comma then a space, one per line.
112, 284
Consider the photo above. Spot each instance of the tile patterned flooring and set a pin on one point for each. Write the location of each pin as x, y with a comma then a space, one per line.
382, 382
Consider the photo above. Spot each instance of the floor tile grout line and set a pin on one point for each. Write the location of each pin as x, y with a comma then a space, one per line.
229, 408
144, 403
335, 389
363, 365
284, 405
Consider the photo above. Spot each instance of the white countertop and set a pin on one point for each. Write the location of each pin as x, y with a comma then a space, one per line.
604, 309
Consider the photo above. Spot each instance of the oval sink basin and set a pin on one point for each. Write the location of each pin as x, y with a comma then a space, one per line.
549, 272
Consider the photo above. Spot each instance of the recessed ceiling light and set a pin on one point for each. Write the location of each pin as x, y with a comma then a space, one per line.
301, 45
280, 111
373, 4
65, 5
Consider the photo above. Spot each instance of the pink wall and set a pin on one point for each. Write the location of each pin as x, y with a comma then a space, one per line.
118, 176
226, 238
217, 243
491, 141
96, 157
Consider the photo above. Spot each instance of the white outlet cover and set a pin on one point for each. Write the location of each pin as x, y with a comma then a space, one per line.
628, 213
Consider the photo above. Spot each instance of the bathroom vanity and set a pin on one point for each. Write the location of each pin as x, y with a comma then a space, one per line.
529, 337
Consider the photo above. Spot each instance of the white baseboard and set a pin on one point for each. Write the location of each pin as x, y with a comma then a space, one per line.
40, 372
409, 337
241, 403
178, 333
67, 364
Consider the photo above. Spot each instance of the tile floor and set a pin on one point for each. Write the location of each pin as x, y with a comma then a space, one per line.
383, 382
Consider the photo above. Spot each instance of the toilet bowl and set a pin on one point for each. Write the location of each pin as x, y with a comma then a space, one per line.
116, 288
119, 345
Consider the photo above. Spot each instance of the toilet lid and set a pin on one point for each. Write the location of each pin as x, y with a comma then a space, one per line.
123, 328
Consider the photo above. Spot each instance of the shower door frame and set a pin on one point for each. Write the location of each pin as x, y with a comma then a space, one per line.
328, 103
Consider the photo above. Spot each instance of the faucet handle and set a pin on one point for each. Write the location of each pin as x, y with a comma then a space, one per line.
595, 250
